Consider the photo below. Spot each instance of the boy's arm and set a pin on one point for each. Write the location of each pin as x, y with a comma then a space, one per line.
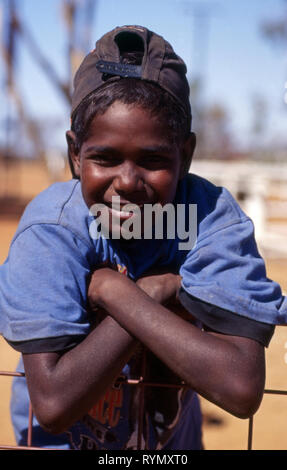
227, 370
64, 386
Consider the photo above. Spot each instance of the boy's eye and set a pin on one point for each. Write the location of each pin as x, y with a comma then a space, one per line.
104, 160
155, 162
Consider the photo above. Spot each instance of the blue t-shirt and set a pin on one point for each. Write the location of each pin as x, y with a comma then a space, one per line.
43, 303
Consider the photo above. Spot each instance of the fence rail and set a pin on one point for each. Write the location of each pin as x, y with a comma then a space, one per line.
132, 382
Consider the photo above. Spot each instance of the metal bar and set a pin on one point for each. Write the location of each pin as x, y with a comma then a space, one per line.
144, 383
6, 447
141, 383
141, 403
12, 374
250, 433
30, 426
276, 392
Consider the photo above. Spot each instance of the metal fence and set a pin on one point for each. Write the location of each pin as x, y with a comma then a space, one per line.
135, 382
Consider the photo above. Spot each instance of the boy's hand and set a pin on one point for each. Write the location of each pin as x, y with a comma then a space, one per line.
164, 287
100, 277
161, 286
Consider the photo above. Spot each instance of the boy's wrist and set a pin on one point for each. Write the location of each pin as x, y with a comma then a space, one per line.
103, 286
161, 287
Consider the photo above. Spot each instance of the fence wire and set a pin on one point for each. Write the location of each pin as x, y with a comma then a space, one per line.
132, 382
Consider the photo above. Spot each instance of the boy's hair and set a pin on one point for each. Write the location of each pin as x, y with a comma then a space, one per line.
138, 68
133, 92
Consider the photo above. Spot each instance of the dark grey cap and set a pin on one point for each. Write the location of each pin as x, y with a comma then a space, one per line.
159, 64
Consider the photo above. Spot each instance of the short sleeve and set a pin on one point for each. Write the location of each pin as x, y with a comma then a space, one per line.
226, 322
225, 269
43, 290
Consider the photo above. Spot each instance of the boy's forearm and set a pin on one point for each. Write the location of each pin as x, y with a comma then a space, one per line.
219, 368
65, 387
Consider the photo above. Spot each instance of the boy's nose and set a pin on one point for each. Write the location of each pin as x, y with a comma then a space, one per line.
128, 180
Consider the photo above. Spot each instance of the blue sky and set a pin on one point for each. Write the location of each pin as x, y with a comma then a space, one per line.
227, 47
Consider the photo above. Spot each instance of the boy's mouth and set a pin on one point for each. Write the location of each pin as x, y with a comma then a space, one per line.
124, 211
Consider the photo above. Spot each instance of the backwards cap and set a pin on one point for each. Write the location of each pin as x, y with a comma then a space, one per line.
159, 64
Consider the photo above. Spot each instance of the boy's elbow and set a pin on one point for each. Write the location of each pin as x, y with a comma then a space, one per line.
52, 416
246, 399
53, 426
246, 383
245, 408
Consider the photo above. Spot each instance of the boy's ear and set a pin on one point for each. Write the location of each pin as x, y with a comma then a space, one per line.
73, 156
187, 154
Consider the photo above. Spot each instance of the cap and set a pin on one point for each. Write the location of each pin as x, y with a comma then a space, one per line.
159, 64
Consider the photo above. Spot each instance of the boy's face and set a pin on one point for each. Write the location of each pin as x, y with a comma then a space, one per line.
128, 154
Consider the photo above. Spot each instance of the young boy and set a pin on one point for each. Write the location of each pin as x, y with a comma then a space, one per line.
92, 313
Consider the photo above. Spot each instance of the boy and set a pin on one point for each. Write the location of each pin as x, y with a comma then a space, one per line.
87, 309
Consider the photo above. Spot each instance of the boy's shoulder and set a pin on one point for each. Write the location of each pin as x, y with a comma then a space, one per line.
59, 204
216, 207
206, 194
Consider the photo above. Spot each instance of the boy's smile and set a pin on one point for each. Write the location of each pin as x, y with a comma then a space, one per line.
128, 153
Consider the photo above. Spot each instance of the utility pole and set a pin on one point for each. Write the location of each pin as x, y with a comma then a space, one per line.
200, 14
16, 33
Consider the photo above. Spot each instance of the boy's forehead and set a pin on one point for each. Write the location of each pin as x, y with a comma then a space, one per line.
159, 64
122, 122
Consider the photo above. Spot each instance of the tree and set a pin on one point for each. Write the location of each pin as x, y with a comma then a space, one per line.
276, 30
78, 18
